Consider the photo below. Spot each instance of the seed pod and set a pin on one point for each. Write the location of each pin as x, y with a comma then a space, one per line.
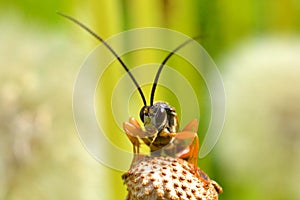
165, 178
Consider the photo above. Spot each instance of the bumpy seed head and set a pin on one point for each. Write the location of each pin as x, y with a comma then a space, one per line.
166, 178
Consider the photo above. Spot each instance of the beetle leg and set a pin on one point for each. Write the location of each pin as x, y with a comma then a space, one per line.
191, 152
182, 142
134, 131
192, 126
139, 131
189, 132
130, 131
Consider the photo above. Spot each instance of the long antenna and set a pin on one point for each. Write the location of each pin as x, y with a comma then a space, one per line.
163, 64
111, 50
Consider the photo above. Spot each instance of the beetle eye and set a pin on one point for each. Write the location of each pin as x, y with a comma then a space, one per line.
143, 112
158, 117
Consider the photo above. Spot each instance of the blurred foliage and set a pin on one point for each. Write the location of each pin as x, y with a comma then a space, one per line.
40, 153
260, 146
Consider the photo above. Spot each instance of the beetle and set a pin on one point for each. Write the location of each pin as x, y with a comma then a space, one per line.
160, 129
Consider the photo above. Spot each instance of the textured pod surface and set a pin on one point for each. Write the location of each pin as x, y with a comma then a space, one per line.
166, 178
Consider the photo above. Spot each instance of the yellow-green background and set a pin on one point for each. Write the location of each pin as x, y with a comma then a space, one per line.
41, 156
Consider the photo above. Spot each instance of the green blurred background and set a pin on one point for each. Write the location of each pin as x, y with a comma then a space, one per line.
256, 45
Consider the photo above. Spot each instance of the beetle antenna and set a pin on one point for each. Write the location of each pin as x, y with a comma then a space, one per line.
111, 50
163, 64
